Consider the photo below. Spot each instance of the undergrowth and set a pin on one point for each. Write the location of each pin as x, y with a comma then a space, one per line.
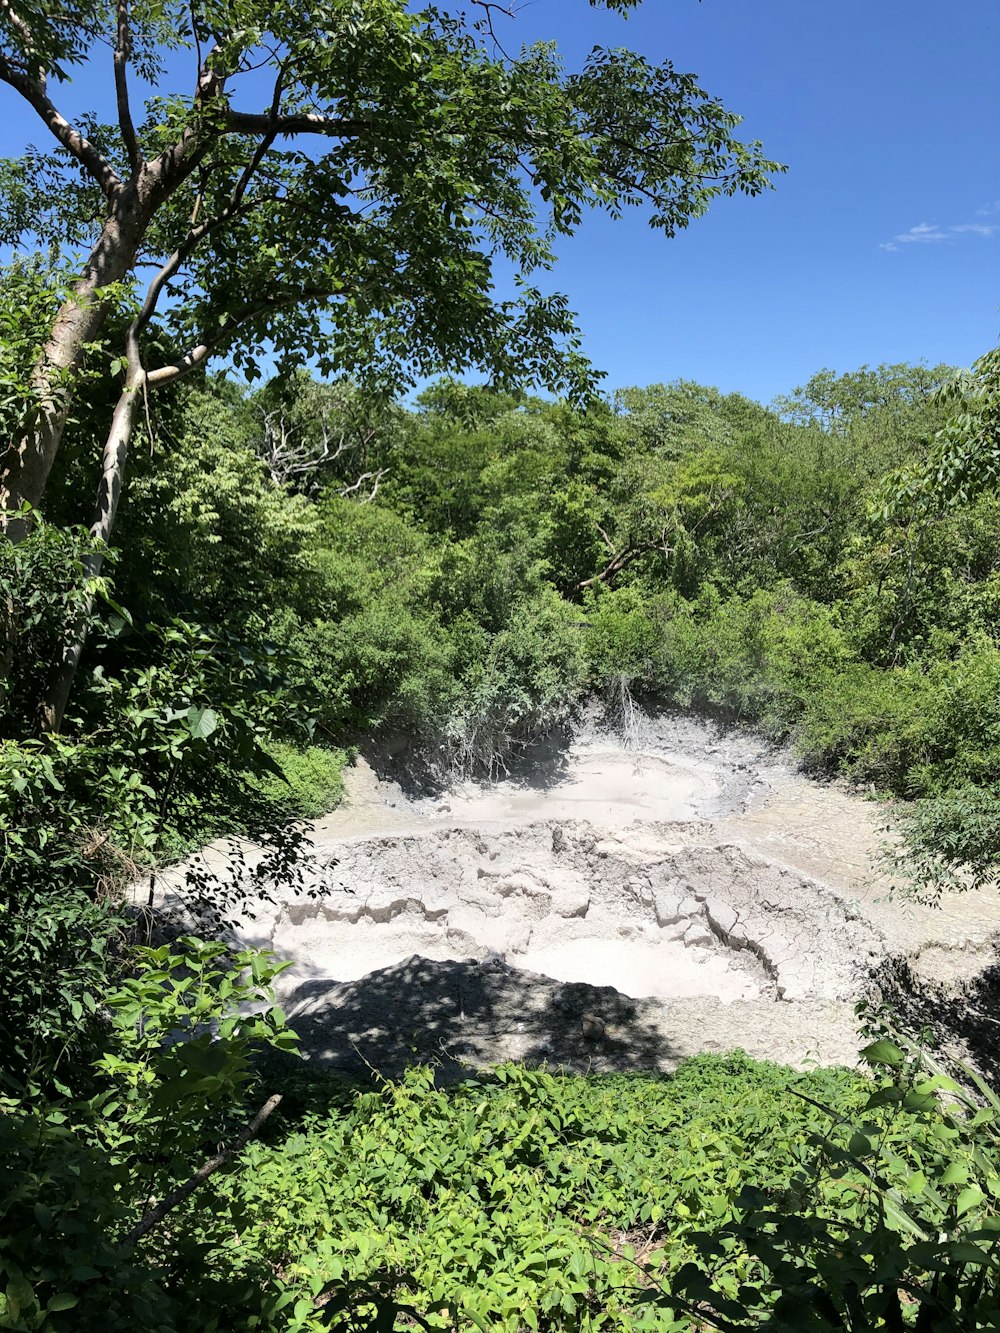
720, 1197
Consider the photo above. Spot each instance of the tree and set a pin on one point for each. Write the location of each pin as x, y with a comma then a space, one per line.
313, 435
337, 181
836, 402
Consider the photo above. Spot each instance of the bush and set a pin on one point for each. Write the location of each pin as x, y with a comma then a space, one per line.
755, 657
385, 667
525, 1199
624, 640
526, 684
312, 782
732, 1196
81, 1173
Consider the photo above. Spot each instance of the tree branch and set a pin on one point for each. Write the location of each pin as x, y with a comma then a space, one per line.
197, 233
123, 50
616, 565
19, 26
246, 122
199, 354
156, 1215
352, 488
78, 145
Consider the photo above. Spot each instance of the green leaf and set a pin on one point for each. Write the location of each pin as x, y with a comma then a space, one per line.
201, 722
957, 1173
883, 1052
65, 1300
970, 1197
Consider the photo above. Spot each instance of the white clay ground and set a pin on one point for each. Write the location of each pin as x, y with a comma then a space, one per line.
609, 906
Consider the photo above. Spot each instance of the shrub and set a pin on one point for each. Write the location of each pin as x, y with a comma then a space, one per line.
525, 685
312, 782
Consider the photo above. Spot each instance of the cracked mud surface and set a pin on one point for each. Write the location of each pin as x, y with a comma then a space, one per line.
612, 907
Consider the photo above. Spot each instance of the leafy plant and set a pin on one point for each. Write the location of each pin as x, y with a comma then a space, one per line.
90, 1179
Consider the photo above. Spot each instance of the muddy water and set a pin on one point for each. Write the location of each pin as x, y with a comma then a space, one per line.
690, 890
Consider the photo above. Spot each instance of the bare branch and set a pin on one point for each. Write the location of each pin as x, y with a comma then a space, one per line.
156, 1215
605, 538
615, 566
288, 454
488, 9
295, 457
123, 51
90, 157
375, 478
197, 233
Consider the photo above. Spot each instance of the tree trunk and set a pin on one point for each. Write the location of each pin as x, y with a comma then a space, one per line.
116, 448
27, 461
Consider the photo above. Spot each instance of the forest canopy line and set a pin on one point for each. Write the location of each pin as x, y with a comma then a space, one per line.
216, 584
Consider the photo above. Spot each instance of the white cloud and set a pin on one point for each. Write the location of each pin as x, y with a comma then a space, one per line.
977, 228
931, 233
924, 233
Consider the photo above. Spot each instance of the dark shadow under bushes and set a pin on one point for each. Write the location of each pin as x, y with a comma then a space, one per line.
962, 1024
462, 1013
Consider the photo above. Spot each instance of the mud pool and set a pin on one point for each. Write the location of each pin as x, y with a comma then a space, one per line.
608, 906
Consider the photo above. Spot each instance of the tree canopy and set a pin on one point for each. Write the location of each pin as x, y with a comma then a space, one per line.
337, 181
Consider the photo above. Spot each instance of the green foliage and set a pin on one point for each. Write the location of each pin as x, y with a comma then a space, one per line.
44, 586
526, 1199
72, 824
625, 642
311, 782
949, 842
963, 460
732, 1195
203, 530
29, 293
468, 156
525, 685
172, 1080
893, 1223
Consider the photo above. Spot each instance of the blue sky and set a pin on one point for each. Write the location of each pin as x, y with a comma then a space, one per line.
882, 243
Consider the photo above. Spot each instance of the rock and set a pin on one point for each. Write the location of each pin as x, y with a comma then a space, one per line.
667, 906
593, 1027
570, 905
607, 847
696, 934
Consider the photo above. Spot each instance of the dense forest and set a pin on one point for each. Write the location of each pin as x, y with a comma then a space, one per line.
266, 504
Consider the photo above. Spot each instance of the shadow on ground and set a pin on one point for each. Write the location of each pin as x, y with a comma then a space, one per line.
963, 1024
419, 771
458, 1014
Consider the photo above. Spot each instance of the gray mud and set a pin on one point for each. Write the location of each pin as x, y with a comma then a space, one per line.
612, 906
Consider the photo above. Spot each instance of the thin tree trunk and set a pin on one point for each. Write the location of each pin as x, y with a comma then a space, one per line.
116, 448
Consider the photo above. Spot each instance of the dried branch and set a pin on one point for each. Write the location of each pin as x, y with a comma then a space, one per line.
375, 478
290, 455
156, 1215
